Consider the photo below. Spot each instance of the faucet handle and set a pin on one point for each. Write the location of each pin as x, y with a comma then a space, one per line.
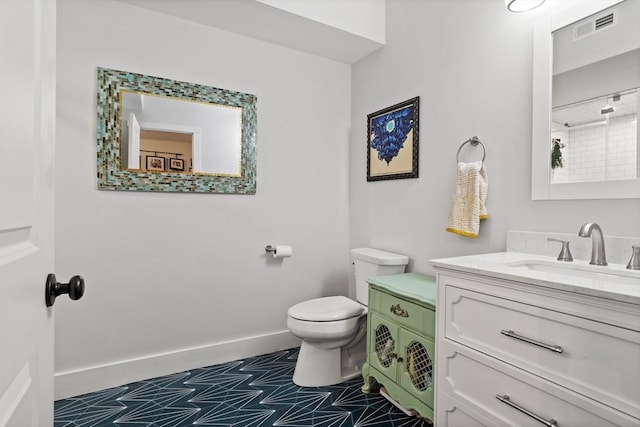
634, 262
565, 253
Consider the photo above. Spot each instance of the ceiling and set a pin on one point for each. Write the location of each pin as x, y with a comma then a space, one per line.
268, 23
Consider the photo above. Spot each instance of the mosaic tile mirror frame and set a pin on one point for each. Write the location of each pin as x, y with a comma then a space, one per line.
111, 173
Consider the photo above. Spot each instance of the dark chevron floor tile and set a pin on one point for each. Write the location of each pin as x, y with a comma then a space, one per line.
254, 392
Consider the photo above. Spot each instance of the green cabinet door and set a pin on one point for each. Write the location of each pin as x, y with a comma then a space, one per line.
383, 345
417, 369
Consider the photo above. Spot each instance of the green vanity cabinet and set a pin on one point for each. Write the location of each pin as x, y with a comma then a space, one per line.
400, 339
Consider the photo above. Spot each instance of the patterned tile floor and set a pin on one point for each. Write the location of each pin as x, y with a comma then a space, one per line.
254, 392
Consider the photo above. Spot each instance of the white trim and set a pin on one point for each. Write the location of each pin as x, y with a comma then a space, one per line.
134, 142
638, 135
15, 395
99, 377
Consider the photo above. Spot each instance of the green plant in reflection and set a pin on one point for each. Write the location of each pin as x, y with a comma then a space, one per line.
556, 153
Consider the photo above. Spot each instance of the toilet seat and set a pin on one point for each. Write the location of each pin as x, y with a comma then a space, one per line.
327, 309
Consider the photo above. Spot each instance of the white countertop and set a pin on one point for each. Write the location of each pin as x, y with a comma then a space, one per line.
504, 265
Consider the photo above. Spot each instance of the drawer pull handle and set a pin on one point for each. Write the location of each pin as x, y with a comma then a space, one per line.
511, 334
505, 399
399, 311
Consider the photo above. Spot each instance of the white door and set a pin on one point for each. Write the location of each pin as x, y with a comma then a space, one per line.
27, 136
134, 142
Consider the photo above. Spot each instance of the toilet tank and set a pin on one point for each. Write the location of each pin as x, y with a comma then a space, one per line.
370, 262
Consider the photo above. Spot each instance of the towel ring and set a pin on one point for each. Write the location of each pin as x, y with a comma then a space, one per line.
474, 141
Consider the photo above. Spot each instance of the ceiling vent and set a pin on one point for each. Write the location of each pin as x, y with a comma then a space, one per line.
595, 24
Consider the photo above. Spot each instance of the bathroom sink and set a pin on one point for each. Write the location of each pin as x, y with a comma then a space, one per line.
586, 271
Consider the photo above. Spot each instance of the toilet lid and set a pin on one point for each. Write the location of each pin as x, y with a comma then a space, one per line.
326, 309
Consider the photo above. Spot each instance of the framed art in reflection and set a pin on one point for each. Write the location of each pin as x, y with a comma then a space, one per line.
155, 163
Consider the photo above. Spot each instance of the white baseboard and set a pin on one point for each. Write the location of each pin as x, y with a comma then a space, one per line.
99, 377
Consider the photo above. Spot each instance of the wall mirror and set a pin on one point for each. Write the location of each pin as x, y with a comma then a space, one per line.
585, 102
156, 134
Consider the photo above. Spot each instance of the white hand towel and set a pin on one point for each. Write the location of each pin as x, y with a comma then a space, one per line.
468, 205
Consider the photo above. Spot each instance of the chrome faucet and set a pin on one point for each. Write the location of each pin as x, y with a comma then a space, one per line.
593, 230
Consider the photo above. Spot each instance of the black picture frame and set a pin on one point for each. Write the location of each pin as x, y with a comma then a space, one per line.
155, 163
393, 141
176, 164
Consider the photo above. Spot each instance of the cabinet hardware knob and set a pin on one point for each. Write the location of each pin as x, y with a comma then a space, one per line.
391, 356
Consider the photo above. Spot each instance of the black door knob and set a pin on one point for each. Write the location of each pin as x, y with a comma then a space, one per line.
75, 289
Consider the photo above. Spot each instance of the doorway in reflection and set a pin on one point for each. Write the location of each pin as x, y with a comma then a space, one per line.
173, 147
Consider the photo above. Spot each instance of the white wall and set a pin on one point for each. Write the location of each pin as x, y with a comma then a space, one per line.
364, 18
471, 64
610, 41
182, 279
602, 152
616, 74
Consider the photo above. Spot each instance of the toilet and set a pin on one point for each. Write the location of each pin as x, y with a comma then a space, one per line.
333, 329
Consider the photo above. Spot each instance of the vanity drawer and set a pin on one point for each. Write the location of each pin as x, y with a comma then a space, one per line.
589, 357
494, 387
456, 413
413, 316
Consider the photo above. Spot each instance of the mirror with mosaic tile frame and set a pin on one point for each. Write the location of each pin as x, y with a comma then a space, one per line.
157, 134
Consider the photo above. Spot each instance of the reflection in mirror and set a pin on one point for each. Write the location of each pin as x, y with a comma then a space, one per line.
585, 102
596, 139
157, 134
594, 98
204, 138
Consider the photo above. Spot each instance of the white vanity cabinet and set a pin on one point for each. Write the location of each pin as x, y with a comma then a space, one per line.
518, 352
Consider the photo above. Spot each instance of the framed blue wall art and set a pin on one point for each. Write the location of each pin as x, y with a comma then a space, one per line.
392, 141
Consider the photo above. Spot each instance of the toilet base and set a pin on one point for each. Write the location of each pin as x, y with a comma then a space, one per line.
318, 367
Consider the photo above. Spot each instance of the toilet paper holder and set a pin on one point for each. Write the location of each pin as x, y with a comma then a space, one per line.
279, 251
